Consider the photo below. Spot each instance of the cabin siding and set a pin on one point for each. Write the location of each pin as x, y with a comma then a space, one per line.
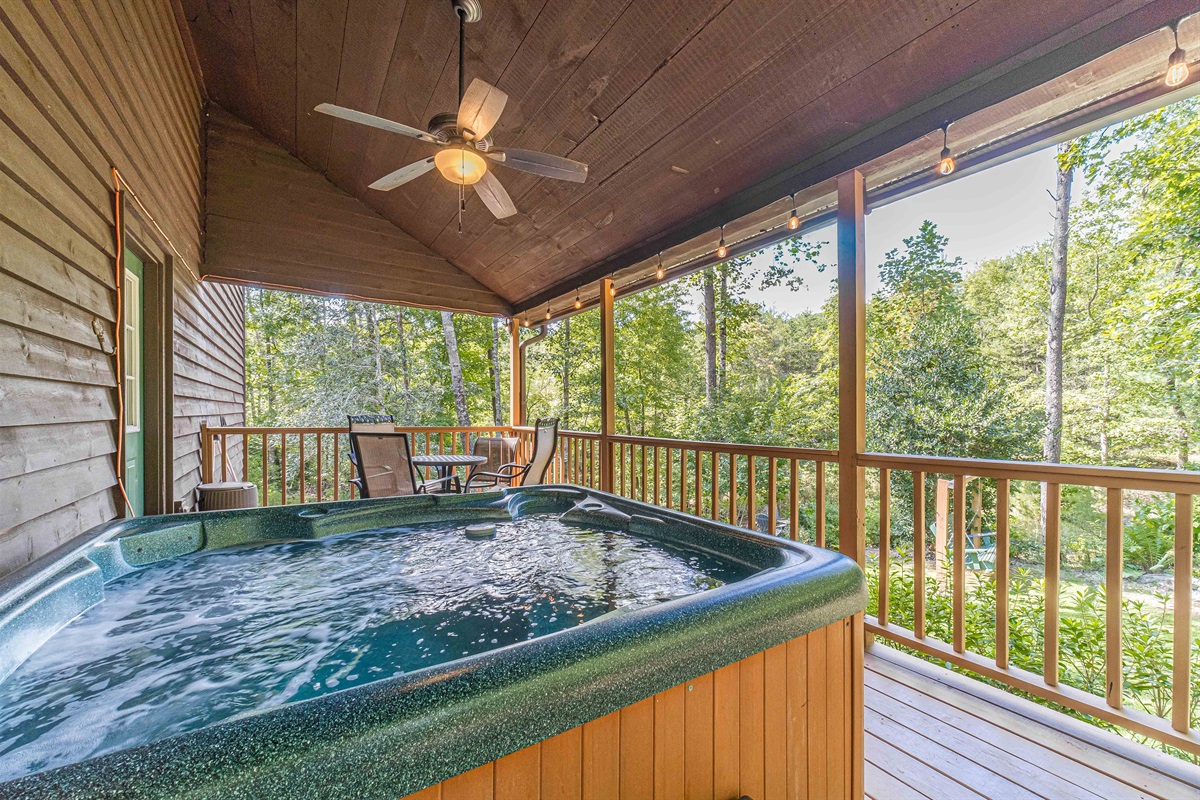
85, 86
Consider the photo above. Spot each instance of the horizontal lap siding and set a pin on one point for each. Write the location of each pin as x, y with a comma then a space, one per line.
87, 85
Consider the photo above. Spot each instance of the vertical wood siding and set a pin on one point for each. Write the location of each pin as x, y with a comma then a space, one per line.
86, 85
775, 725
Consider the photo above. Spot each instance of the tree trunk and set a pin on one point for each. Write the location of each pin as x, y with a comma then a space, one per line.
1181, 423
456, 375
1056, 318
710, 336
566, 374
723, 374
377, 346
1052, 448
494, 369
402, 350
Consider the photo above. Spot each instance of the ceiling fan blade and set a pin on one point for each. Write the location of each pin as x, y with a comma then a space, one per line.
494, 196
544, 164
480, 108
363, 118
403, 175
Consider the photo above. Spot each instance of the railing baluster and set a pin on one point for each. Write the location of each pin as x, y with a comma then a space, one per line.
751, 492
1181, 705
224, 456
657, 496
337, 466
699, 484
263, 501
919, 554
794, 499
642, 455
733, 489
714, 488
959, 576
820, 505
302, 466
683, 482
283, 468
320, 465
668, 498
1053, 548
1114, 565
772, 492
1002, 548
885, 543
245, 456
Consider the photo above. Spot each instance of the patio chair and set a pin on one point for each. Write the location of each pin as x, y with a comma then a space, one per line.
368, 423
498, 450
385, 467
545, 442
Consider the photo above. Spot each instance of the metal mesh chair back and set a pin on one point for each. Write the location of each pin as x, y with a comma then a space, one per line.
545, 442
372, 423
384, 464
498, 450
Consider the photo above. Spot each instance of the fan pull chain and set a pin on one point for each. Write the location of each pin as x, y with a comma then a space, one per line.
462, 204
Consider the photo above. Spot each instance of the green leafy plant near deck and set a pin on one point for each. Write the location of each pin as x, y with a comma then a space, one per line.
1146, 635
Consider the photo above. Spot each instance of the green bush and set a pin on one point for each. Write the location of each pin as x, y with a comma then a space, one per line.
1150, 535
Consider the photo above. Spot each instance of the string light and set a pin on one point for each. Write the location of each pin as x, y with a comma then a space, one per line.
946, 165
722, 250
612, 287
1177, 68
793, 220
547, 311
660, 273
578, 302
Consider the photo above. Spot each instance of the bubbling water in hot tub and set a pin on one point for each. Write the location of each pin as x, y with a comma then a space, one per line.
195, 640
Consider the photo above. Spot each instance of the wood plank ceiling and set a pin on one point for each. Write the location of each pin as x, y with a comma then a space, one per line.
685, 110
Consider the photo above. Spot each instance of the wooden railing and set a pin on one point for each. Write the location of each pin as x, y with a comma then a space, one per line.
310, 465
792, 492
1116, 482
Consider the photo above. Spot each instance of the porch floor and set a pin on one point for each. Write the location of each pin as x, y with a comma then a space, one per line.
934, 733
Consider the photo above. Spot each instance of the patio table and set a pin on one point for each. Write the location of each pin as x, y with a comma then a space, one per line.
446, 463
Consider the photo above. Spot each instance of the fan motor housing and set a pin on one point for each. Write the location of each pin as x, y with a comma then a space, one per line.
445, 127
469, 10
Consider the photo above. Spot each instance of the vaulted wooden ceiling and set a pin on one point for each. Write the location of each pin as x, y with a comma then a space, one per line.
687, 111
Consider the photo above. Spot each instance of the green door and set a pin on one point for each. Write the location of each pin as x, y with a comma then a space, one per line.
132, 318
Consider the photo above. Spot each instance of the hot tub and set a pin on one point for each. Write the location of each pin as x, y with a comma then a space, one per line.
373, 649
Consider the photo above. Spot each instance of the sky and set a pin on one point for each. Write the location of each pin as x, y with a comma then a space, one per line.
985, 215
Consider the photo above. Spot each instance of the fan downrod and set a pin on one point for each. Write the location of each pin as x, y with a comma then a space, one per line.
468, 10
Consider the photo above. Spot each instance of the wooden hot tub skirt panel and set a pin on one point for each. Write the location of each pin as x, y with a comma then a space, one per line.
775, 725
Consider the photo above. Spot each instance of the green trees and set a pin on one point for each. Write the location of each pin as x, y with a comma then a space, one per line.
928, 384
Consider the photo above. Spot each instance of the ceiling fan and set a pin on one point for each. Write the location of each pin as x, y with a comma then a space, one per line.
465, 146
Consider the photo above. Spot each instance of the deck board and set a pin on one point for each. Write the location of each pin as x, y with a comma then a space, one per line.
934, 732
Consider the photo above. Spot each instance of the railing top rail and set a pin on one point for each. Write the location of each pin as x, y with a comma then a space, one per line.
344, 429
1157, 480
765, 450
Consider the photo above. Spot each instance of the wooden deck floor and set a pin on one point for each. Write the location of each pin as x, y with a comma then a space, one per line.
931, 733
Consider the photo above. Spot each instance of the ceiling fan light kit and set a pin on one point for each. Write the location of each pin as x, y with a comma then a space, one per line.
463, 138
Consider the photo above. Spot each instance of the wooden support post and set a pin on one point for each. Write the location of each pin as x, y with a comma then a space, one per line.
852, 412
516, 376
852, 433
608, 401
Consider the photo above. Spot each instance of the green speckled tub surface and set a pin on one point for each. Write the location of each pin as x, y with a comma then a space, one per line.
368, 649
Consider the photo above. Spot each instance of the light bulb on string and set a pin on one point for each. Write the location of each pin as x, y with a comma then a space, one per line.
578, 302
946, 165
660, 273
612, 287
722, 250
1177, 68
547, 311
793, 221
